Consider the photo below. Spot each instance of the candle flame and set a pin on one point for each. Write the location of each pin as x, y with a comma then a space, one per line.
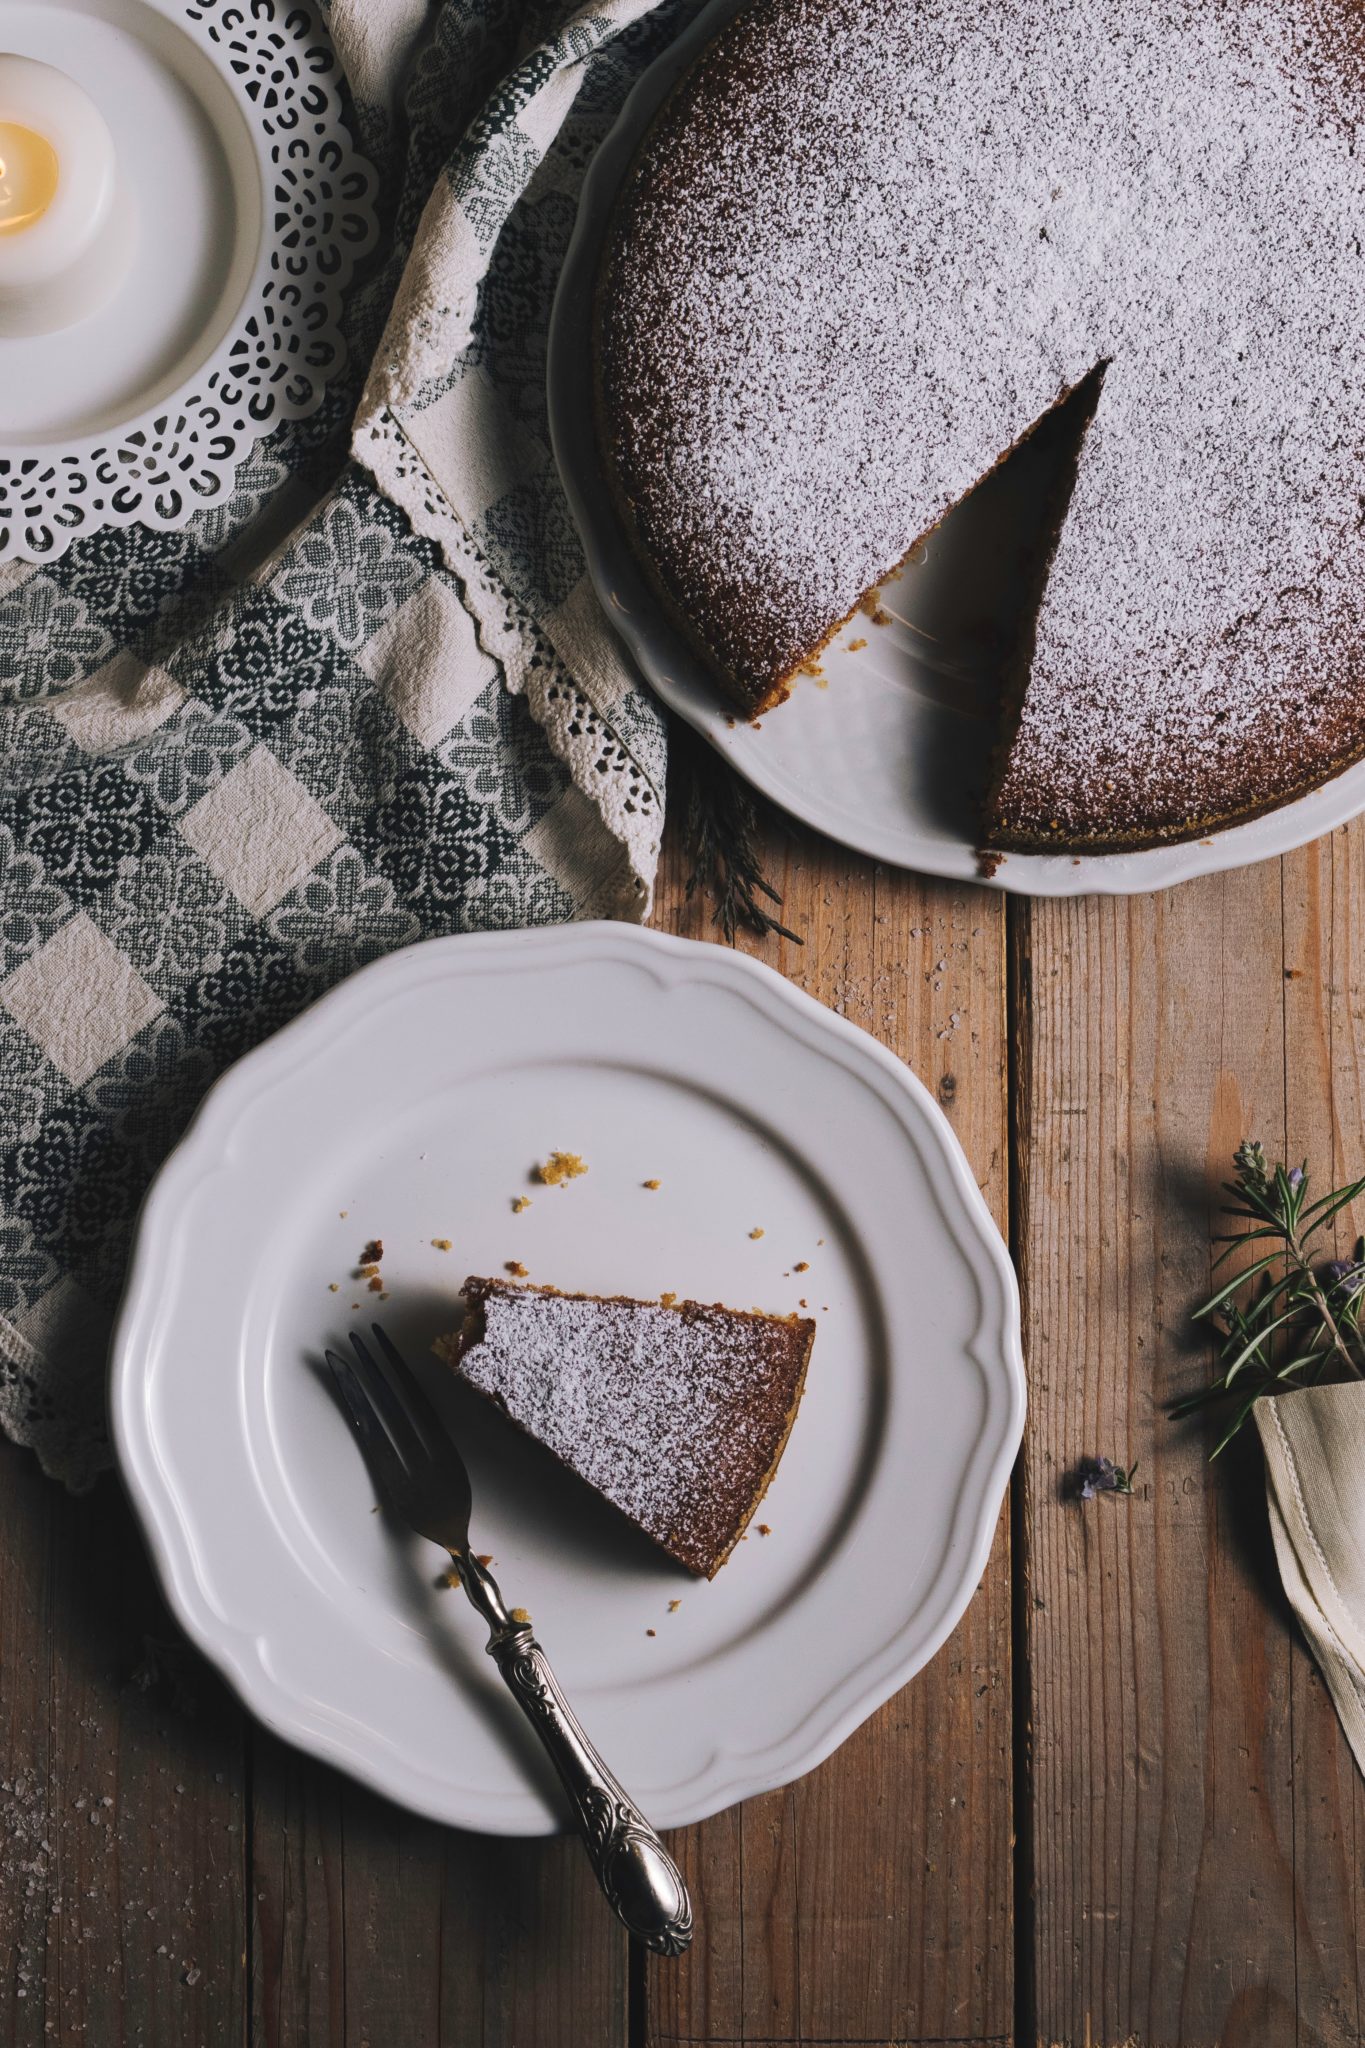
28, 176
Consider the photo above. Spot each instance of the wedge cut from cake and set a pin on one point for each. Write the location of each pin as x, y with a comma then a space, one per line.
867, 245
675, 1412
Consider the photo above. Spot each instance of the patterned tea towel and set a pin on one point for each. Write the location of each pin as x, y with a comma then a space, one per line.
367, 699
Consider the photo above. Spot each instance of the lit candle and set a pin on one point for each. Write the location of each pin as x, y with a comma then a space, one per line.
28, 177
65, 226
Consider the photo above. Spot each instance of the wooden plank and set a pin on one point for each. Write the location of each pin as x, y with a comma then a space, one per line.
375, 1926
298, 1945
121, 1816
871, 1902
534, 1956
1168, 1705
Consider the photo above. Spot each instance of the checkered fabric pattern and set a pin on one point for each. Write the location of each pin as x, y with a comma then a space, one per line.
369, 699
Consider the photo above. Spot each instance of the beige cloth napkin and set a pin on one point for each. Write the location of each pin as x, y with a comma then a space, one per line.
1314, 1443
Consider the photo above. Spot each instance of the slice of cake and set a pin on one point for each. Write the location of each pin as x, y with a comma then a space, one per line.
675, 1412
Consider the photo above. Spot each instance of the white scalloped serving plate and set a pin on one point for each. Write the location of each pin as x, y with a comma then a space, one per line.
889, 758
250, 209
410, 1104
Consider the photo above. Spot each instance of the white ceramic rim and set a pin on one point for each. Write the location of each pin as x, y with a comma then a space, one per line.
678, 675
59, 455
728, 1776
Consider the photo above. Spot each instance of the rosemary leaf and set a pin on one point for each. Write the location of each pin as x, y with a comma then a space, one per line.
1331, 1205
1191, 1404
1230, 1432
1306, 1358
1223, 1293
1233, 1238
1261, 1337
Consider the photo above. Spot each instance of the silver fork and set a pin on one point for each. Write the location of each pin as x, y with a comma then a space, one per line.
411, 1454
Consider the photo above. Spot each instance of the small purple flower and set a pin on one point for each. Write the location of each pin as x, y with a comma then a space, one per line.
1095, 1476
1295, 1177
1344, 1276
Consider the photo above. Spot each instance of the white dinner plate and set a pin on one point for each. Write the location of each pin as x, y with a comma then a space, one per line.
412, 1104
889, 750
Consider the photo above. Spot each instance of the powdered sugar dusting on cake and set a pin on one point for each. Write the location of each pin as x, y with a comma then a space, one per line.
861, 263
666, 1411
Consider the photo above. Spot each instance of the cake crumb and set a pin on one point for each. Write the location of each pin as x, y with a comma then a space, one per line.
758, 1231
366, 1272
333, 1287
520, 1614
376, 1285
355, 1304
519, 1203
441, 1244
855, 645
764, 1530
560, 1168
801, 1266
373, 1252
651, 1631
653, 1183
343, 1214
667, 1300
674, 1605
484, 1557
515, 1268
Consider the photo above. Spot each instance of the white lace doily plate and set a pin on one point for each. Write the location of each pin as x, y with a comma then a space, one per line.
889, 750
410, 1105
251, 209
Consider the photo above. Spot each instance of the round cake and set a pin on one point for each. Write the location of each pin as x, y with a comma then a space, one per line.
866, 245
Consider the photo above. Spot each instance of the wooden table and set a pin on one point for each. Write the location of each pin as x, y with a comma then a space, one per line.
1116, 1809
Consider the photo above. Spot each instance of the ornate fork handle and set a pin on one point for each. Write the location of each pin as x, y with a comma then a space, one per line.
642, 1883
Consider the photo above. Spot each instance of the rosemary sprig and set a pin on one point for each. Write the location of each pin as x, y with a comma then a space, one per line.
721, 829
1288, 1319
